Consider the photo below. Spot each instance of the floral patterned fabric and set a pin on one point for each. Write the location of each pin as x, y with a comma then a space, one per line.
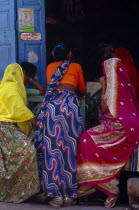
18, 166
102, 153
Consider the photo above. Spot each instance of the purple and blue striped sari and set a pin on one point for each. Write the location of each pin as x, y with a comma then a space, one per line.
58, 129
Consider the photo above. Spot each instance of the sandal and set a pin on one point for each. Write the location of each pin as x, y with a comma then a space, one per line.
82, 193
41, 197
56, 202
69, 201
109, 203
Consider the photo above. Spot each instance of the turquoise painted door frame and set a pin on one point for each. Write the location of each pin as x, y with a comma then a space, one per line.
31, 34
7, 34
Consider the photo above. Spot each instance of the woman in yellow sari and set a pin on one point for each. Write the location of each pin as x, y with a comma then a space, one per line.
18, 167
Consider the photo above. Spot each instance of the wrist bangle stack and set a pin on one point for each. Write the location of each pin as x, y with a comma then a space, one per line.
31, 81
102, 96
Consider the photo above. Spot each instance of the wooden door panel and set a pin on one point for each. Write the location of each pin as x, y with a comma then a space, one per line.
7, 34
34, 51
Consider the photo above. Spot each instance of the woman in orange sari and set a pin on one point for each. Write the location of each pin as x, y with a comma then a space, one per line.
104, 149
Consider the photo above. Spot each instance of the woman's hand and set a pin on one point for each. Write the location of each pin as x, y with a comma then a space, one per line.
33, 121
36, 85
102, 81
104, 107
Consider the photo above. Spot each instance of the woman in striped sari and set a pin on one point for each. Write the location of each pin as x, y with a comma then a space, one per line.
59, 127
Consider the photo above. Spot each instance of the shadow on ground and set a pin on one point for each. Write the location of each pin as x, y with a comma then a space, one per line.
98, 198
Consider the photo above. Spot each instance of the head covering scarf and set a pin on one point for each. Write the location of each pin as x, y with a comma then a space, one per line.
121, 99
61, 46
13, 98
128, 62
56, 78
51, 88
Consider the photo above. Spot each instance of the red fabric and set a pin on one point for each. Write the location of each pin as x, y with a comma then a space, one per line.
102, 152
128, 62
104, 149
121, 99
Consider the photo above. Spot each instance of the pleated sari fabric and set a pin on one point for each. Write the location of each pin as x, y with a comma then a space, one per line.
59, 128
104, 149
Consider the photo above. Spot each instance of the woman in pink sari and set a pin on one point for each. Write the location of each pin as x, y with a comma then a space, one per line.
104, 149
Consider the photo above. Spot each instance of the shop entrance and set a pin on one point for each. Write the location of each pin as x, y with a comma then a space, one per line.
84, 24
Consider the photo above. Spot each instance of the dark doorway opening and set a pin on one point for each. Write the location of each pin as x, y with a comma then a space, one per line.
83, 24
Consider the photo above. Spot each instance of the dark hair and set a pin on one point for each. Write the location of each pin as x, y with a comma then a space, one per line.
29, 68
60, 52
99, 53
105, 51
75, 55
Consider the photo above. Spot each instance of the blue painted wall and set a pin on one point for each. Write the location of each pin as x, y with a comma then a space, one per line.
8, 53
15, 49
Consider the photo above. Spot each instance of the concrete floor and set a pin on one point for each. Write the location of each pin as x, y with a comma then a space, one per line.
36, 206
95, 202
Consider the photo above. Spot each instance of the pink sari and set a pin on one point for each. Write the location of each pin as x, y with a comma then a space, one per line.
126, 57
104, 149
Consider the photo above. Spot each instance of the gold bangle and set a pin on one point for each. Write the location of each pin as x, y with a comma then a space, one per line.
102, 96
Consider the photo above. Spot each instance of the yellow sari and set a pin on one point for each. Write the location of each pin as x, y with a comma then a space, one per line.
13, 99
